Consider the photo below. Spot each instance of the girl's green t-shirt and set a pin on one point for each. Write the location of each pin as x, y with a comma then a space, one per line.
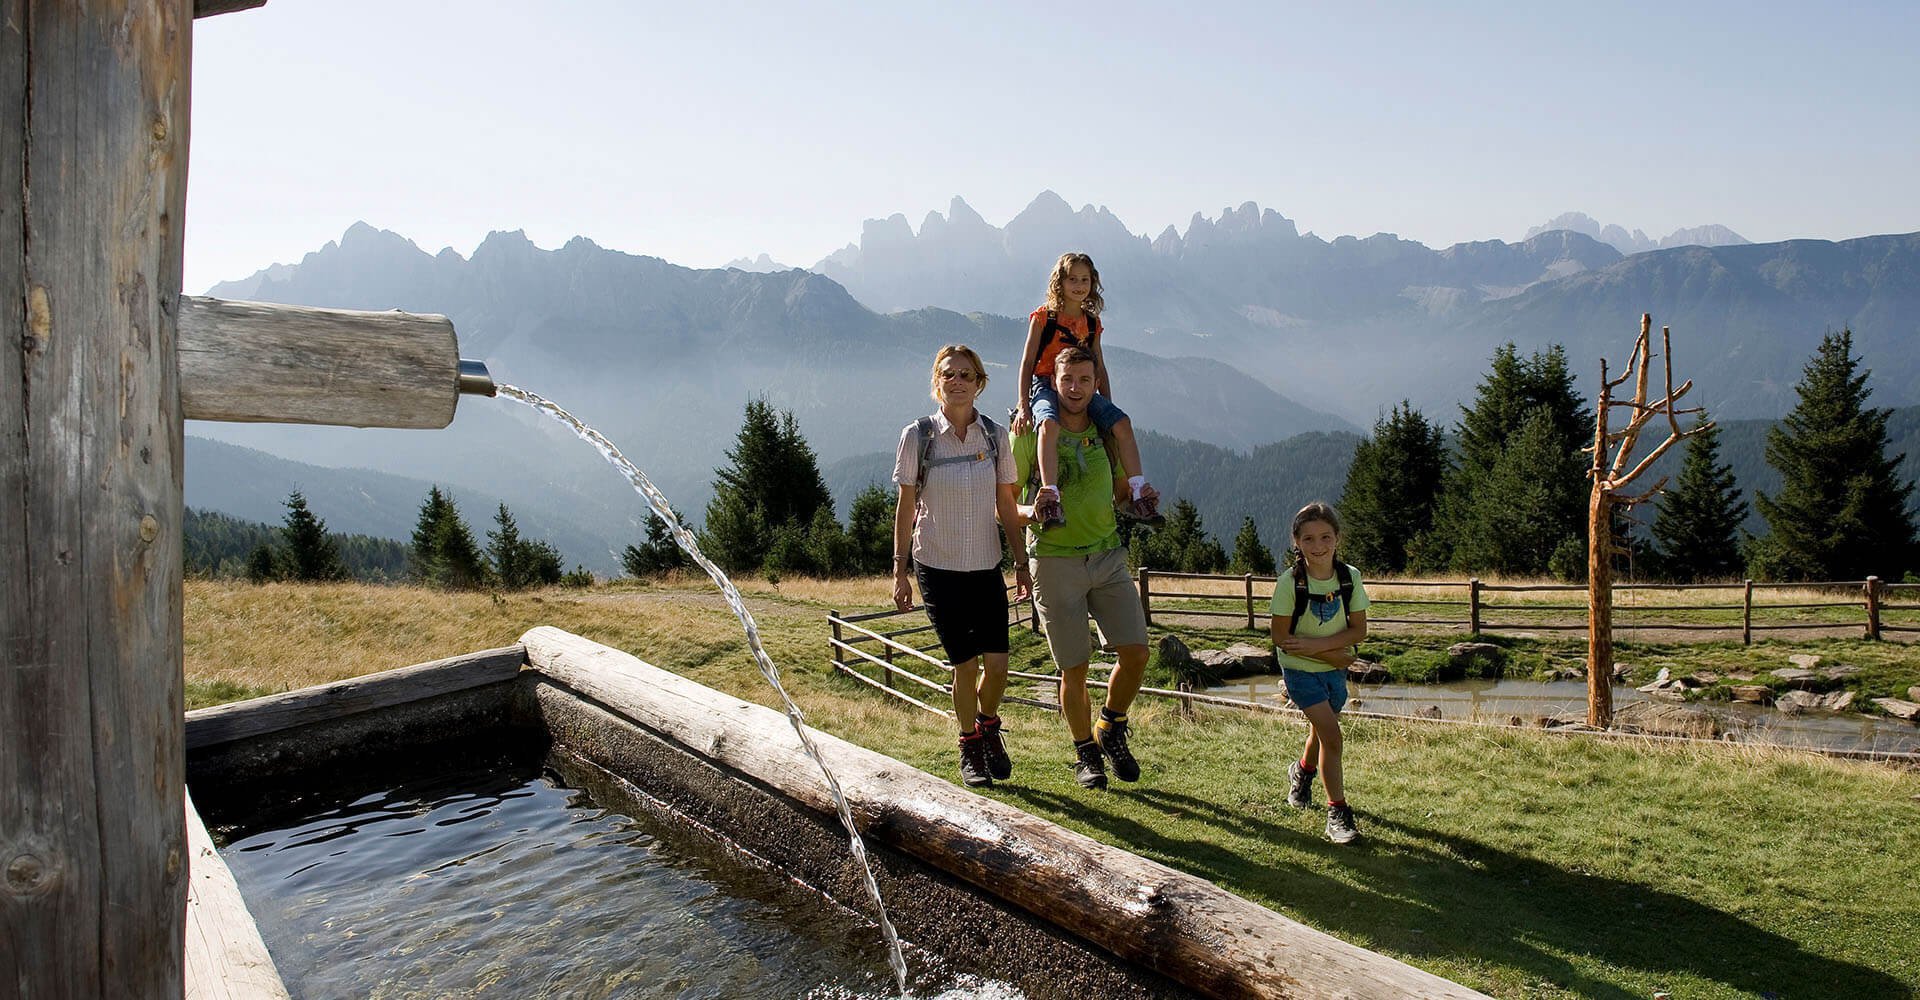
1324, 616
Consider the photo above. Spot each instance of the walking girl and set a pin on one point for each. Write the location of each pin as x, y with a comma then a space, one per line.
1319, 616
955, 473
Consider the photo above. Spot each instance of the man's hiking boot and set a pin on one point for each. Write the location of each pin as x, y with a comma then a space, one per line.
998, 763
1340, 828
973, 761
1299, 786
1143, 511
1112, 736
1047, 509
1087, 769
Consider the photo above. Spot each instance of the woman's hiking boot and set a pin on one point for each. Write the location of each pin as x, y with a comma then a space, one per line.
1087, 769
1111, 734
973, 761
1299, 786
1340, 828
998, 763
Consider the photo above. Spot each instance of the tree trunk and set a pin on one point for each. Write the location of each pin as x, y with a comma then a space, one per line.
1600, 608
92, 195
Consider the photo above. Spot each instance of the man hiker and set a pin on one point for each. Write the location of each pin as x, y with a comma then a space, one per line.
1080, 568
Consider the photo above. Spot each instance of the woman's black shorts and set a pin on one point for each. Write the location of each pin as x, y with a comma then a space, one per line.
968, 610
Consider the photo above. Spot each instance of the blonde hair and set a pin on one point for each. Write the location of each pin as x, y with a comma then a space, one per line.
1056, 282
957, 351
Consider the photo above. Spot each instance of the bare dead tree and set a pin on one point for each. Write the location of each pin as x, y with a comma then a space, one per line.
1609, 478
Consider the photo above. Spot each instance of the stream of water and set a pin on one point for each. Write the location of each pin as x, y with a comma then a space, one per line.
684, 538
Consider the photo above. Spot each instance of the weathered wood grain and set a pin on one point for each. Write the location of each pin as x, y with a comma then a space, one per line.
92, 831
225, 723
225, 957
264, 362
1183, 927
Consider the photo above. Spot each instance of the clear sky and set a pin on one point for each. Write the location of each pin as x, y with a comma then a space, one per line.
708, 130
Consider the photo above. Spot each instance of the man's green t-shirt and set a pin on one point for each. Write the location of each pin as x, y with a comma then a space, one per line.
1086, 494
1324, 615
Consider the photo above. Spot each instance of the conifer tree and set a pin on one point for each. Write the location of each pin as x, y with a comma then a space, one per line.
1181, 545
773, 482
1516, 392
519, 562
1393, 486
444, 552
1518, 515
312, 555
1249, 555
659, 553
1842, 511
870, 526
1696, 530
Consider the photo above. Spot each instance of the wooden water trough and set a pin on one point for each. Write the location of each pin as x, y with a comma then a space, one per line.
1069, 914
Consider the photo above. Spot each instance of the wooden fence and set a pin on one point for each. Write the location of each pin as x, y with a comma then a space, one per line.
1481, 610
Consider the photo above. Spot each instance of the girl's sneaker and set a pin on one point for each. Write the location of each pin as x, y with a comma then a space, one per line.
1299, 786
1047, 509
1144, 511
1340, 828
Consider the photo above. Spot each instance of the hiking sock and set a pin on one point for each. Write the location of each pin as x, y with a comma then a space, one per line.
1306, 768
981, 720
1336, 803
1136, 483
1109, 715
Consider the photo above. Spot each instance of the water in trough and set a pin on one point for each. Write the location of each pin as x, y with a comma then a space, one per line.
478, 871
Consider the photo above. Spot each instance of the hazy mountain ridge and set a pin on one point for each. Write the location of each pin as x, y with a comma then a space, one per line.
1710, 235
662, 358
1352, 325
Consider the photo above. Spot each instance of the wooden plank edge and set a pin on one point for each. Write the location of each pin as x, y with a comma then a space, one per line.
1180, 925
259, 716
210, 8
226, 959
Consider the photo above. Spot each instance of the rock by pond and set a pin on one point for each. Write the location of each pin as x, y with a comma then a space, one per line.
1899, 709
1794, 702
1658, 719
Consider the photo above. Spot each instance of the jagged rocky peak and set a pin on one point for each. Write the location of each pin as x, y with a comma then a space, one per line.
890, 231
962, 216
762, 264
1637, 241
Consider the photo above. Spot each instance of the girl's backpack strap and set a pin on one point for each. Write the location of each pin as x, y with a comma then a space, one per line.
1342, 571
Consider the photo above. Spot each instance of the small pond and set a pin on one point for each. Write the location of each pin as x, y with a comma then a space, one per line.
1497, 701
478, 871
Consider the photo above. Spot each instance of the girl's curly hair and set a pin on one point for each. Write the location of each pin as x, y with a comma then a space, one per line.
1056, 282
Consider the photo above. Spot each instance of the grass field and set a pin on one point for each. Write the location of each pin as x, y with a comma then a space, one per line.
1520, 863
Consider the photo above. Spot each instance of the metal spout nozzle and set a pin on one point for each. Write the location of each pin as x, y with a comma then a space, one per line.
475, 380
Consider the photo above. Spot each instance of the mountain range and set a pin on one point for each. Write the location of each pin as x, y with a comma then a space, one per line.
1238, 334
1620, 239
1352, 325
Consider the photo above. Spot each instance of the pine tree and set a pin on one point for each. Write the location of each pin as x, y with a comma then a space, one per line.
1696, 530
312, 555
267, 563
1518, 516
870, 526
1392, 489
1181, 545
506, 549
444, 552
1249, 555
659, 553
1515, 392
1842, 512
773, 482
828, 547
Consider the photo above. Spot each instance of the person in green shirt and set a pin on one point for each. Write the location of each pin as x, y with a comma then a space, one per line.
1319, 616
1080, 569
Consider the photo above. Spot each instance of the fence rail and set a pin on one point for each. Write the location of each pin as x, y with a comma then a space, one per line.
1485, 614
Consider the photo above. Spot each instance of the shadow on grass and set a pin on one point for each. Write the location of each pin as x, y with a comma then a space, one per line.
1421, 893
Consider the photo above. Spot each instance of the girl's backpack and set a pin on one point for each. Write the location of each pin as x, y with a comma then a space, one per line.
1340, 570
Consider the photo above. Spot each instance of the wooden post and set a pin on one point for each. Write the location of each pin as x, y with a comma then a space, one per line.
1146, 599
1873, 607
833, 622
1249, 602
1473, 605
1746, 615
93, 167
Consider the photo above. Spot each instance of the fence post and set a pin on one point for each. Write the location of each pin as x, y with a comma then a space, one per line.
1249, 579
1746, 616
1473, 605
1033, 611
1146, 596
833, 621
1873, 607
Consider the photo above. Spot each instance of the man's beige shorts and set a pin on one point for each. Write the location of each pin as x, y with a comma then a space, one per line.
1068, 588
